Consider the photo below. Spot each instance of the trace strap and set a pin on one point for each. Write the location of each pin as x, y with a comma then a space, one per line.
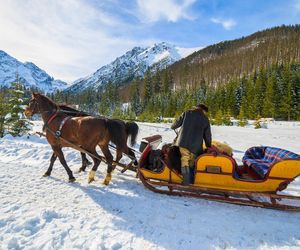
58, 132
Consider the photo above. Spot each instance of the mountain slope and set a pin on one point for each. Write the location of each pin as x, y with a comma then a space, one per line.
29, 74
219, 63
132, 64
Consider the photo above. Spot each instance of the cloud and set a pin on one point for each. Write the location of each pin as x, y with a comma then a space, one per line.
226, 23
297, 5
150, 11
69, 39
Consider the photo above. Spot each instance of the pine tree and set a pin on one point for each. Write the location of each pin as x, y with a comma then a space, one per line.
136, 100
250, 100
242, 119
226, 119
16, 122
257, 121
219, 118
268, 103
148, 91
157, 83
166, 82
230, 101
104, 106
286, 100
259, 83
4, 109
295, 80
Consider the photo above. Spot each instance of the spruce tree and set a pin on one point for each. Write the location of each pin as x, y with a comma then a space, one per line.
268, 103
148, 91
242, 119
16, 121
136, 100
219, 118
286, 100
157, 83
4, 109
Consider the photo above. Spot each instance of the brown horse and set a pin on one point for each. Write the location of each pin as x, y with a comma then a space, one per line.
130, 128
86, 132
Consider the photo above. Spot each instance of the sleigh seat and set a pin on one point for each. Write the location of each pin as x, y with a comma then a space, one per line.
262, 159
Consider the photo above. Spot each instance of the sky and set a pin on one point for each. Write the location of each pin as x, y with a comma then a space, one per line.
71, 39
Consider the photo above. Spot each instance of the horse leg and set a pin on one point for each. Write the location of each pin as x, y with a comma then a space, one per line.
85, 162
97, 162
132, 154
129, 152
57, 150
118, 157
52, 160
109, 159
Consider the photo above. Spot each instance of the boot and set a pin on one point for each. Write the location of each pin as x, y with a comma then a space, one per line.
192, 174
185, 171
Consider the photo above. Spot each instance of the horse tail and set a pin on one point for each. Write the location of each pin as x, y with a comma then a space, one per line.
132, 130
117, 133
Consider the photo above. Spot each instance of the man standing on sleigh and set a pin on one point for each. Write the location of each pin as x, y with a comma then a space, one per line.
194, 128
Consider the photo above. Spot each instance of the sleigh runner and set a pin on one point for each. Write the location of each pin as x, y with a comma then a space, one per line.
218, 177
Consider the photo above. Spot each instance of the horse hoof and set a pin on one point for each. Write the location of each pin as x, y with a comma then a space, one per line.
91, 177
81, 170
107, 179
106, 182
90, 180
72, 179
46, 174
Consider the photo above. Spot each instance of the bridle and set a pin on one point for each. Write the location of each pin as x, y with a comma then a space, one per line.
36, 109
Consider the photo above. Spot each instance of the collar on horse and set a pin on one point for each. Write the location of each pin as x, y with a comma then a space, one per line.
62, 123
47, 123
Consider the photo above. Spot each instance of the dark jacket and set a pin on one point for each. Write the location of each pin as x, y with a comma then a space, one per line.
195, 128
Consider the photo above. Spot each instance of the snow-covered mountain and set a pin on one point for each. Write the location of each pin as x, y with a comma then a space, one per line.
29, 74
132, 64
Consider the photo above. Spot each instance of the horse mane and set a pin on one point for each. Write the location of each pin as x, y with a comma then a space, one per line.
72, 111
66, 107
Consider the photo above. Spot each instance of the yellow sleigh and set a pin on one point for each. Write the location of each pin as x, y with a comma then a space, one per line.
218, 177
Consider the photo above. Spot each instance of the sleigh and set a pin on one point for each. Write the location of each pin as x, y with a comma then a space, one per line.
265, 172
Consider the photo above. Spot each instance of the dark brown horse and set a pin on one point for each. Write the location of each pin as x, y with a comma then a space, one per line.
86, 132
130, 128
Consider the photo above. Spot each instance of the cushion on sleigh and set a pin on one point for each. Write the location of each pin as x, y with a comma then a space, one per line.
260, 159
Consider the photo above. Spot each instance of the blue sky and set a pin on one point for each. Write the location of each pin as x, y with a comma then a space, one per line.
73, 38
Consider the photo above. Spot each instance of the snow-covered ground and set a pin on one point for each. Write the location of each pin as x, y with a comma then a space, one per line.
50, 213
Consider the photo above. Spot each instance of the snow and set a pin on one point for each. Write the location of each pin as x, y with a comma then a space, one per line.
50, 213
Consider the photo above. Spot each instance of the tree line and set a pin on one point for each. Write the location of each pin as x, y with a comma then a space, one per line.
272, 91
269, 92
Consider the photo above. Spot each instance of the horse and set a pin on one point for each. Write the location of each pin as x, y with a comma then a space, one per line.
86, 132
131, 129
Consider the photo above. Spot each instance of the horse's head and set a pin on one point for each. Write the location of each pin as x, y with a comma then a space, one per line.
39, 104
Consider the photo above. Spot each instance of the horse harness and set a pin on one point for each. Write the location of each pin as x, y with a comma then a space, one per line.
57, 133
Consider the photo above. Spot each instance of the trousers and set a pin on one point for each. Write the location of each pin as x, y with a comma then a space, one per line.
187, 157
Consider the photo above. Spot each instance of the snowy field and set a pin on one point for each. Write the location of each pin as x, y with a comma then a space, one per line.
50, 213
